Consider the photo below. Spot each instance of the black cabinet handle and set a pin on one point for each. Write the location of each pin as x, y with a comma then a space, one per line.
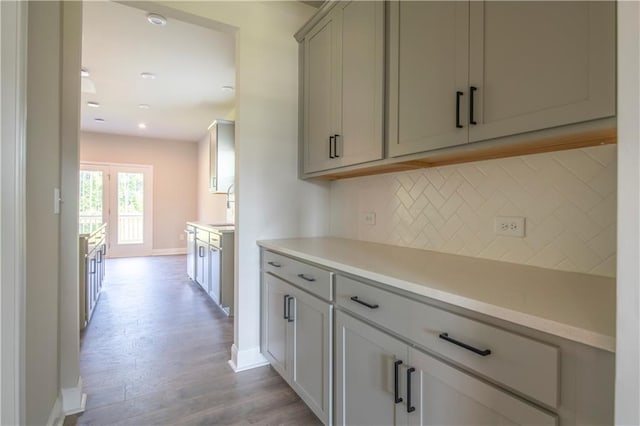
331, 147
285, 305
410, 408
472, 90
368, 305
335, 146
396, 398
201, 251
275, 264
99, 254
93, 266
485, 352
289, 319
458, 96
306, 278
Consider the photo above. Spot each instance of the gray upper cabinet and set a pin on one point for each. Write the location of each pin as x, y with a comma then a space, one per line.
343, 87
222, 157
471, 71
428, 75
538, 65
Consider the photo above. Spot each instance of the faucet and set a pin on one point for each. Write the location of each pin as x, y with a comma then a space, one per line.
229, 196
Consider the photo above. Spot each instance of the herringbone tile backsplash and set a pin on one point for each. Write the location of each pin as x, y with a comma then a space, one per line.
567, 197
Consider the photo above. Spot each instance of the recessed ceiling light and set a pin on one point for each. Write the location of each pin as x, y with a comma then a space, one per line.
144, 106
148, 75
142, 126
99, 120
93, 104
84, 72
156, 19
227, 88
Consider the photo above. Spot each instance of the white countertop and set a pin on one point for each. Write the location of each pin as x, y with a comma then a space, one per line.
219, 228
578, 307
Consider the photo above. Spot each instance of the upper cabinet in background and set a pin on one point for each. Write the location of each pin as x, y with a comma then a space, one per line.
343, 80
222, 158
471, 71
528, 76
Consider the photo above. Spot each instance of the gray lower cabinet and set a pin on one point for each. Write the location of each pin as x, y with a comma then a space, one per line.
381, 380
296, 339
202, 264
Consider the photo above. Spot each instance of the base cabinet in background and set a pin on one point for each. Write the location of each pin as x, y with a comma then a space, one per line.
92, 253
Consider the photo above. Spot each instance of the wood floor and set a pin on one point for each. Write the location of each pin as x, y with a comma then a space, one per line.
156, 352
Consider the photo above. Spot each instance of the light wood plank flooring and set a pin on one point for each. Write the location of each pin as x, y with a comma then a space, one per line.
156, 352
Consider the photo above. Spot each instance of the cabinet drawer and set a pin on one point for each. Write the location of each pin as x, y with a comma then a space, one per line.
520, 363
214, 239
202, 235
314, 280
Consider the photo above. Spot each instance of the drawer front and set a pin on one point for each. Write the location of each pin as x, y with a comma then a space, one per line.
214, 239
520, 363
202, 235
314, 280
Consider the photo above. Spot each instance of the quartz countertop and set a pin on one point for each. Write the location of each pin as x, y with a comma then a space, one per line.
219, 228
574, 306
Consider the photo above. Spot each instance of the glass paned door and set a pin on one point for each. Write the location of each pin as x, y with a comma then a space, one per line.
93, 197
131, 210
119, 195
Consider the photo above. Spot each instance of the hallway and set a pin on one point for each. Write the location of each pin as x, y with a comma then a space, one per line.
156, 352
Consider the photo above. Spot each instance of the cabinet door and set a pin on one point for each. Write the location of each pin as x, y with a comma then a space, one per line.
214, 274
360, 79
275, 306
365, 374
206, 269
443, 395
540, 64
319, 94
311, 352
200, 253
429, 65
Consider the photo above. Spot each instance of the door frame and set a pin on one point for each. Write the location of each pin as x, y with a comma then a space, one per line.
111, 196
13, 124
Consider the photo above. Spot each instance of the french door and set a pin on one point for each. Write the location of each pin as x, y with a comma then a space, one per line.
121, 196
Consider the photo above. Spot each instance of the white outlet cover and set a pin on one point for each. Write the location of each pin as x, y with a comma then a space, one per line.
369, 218
510, 226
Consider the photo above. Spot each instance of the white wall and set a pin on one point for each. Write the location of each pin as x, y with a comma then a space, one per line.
567, 197
627, 410
270, 201
42, 383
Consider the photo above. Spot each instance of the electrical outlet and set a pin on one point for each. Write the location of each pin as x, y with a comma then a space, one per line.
369, 218
510, 226
181, 236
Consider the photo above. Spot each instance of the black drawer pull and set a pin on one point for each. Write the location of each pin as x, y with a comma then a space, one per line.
274, 264
368, 305
445, 336
306, 278
410, 408
335, 146
331, 147
285, 304
289, 319
396, 398
472, 90
458, 96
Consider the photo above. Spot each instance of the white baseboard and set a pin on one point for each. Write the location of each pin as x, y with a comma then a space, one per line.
56, 417
247, 359
73, 399
169, 252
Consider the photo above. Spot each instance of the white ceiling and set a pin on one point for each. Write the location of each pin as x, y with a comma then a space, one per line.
192, 63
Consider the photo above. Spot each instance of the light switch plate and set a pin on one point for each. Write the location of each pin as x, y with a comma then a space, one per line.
56, 200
